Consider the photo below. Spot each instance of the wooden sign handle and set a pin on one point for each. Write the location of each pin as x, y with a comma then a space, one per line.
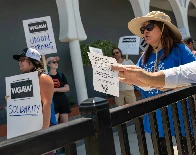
44, 62
127, 56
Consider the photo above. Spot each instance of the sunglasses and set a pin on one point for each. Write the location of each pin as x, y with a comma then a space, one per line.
55, 62
22, 59
148, 27
115, 53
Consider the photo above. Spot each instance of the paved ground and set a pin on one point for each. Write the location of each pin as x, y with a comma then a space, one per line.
132, 141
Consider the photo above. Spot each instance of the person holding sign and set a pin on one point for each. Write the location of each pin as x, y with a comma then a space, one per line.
171, 78
165, 51
126, 92
29, 61
61, 105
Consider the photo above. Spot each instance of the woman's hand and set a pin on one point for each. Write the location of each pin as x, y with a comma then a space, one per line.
65, 89
132, 74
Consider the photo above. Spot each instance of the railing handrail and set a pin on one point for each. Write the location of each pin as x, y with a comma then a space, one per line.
141, 107
48, 139
95, 129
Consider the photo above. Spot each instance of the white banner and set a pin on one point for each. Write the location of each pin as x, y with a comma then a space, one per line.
24, 108
129, 45
39, 35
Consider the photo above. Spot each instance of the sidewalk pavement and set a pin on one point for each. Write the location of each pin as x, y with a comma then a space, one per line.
132, 142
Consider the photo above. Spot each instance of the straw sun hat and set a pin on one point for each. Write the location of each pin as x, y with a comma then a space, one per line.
135, 24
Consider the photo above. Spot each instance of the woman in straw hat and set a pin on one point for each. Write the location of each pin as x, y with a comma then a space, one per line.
165, 50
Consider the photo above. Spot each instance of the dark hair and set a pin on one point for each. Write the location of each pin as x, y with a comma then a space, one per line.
116, 48
38, 66
188, 40
168, 41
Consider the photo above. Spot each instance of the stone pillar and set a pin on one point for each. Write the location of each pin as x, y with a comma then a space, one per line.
180, 9
193, 1
72, 31
140, 7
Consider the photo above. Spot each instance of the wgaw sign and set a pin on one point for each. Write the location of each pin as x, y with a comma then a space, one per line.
24, 109
39, 35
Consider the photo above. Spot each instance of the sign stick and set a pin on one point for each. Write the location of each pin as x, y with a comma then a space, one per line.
44, 62
127, 56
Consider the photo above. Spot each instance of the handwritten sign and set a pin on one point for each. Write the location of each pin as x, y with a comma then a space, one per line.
129, 45
24, 109
96, 50
104, 79
39, 35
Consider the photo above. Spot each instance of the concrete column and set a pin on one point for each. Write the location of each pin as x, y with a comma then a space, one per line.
72, 31
180, 9
140, 7
193, 1
78, 71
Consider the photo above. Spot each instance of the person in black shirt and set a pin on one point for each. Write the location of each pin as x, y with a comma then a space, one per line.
61, 105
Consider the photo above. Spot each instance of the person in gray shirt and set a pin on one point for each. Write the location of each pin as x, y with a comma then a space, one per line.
126, 92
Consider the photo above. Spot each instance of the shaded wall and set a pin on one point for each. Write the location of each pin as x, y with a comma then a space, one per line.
102, 19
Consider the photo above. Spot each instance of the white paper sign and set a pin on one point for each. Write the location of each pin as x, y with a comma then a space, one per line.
183, 33
24, 108
129, 45
39, 35
96, 50
104, 79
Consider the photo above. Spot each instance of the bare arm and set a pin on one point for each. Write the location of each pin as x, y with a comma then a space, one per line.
183, 75
132, 74
65, 89
46, 91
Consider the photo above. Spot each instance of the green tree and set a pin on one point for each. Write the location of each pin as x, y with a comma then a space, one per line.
105, 45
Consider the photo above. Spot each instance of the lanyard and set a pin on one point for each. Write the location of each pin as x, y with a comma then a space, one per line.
157, 62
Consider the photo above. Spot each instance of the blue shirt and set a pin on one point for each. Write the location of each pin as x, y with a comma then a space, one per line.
53, 116
179, 55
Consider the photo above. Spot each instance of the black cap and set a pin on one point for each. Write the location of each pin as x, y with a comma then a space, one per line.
30, 53
188, 40
23, 54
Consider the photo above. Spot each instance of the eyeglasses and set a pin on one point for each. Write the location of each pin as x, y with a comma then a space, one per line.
22, 59
148, 27
55, 62
115, 53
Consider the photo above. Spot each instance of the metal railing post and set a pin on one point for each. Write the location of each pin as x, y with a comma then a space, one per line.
102, 143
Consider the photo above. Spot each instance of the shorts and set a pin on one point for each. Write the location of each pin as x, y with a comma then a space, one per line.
61, 104
125, 97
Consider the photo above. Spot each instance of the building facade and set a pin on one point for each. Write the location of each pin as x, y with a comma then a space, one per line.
102, 20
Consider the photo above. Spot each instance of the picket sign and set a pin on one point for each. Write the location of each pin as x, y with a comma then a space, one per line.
24, 108
39, 35
129, 45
